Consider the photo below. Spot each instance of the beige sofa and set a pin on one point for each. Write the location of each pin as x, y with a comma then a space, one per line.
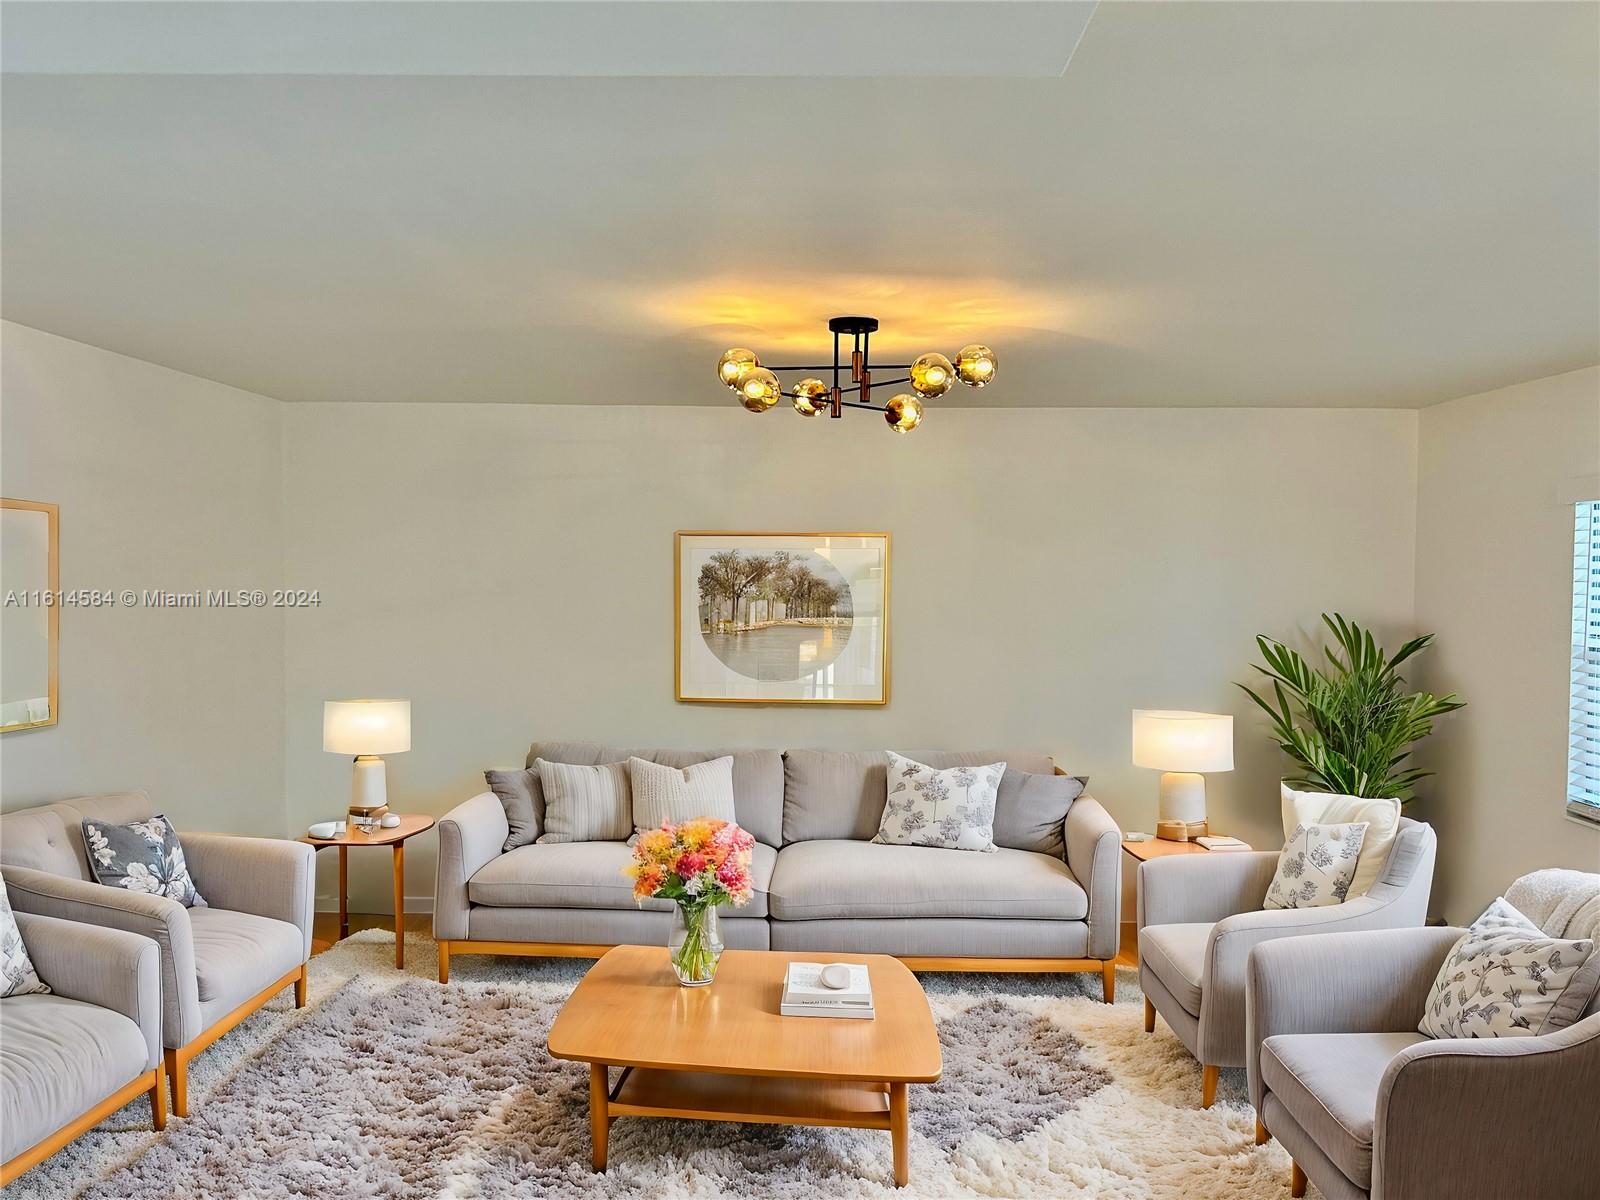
72, 1056
821, 883
219, 963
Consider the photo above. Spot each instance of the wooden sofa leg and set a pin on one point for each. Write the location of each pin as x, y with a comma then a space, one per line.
178, 1080
1208, 1086
1297, 1180
300, 988
444, 962
1108, 979
1149, 1016
1261, 1133
158, 1101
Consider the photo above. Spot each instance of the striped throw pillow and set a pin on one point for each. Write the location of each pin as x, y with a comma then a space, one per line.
585, 804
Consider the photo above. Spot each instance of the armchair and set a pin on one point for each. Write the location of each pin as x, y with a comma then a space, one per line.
78, 1053
1200, 916
219, 963
1369, 1107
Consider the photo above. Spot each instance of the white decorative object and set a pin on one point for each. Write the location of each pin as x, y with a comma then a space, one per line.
391, 820
814, 990
1505, 977
1182, 745
1316, 866
324, 829
952, 809
835, 976
1327, 808
367, 729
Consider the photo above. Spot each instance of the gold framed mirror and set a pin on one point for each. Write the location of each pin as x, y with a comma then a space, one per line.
30, 621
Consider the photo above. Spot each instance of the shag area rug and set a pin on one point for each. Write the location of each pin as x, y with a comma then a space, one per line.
389, 1085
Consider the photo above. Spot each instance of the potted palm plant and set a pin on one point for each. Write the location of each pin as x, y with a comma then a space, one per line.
1349, 726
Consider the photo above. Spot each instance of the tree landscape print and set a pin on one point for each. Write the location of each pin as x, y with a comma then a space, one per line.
782, 617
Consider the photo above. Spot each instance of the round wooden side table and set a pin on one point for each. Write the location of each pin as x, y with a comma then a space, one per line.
410, 825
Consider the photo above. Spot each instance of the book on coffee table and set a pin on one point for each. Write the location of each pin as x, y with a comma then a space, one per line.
805, 995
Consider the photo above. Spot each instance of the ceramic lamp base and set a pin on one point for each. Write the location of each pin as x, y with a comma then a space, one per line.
1182, 813
369, 791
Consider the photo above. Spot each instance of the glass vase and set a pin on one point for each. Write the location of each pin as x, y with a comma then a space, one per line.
695, 944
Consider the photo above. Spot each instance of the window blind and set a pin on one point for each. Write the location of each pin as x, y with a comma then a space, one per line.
1583, 774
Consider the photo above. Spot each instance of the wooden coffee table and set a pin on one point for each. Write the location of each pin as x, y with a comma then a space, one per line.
724, 1053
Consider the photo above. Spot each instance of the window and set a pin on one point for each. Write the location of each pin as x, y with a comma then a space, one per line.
1583, 777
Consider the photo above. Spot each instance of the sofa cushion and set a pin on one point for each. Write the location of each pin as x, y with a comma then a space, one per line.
1329, 1084
584, 803
821, 880
1177, 956
521, 794
835, 794
58, 1059
237, 954
757, 777
588, 875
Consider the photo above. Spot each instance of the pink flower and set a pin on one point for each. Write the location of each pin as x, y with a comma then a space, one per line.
691, 862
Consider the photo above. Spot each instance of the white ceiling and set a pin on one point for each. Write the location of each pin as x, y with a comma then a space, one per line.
1215, 204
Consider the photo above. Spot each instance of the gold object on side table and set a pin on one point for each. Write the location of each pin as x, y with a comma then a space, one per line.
1181, 831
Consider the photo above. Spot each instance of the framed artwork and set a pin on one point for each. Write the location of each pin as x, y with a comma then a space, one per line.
782, 618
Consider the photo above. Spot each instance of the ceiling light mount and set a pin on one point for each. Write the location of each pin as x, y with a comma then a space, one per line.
930, 375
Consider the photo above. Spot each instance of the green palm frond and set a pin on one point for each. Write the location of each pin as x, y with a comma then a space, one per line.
1349, 727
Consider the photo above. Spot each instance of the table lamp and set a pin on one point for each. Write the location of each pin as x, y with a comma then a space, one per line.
1182, 745
367, 729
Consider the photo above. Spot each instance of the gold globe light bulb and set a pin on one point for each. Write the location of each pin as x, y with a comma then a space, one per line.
759, 389
976, 365
903, 413
810, 397
734, 364
932, 374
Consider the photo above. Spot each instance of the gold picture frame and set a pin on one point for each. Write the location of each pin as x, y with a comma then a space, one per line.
813, 629
52, 610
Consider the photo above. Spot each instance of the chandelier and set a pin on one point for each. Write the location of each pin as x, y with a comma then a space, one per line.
759, 388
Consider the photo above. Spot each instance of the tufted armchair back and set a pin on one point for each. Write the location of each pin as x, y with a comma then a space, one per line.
50, 838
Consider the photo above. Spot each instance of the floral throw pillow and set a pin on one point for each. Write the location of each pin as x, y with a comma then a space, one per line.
17, 976
1505, 977
142, 856
1316, 866
952, 809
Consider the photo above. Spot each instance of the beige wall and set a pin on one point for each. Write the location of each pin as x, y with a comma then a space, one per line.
169, 482
509, 569
1498, 474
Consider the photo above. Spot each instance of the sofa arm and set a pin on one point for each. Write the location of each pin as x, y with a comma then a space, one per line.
1376, 982
268, 877
1490, 1117
1201, 888
471, 835
1094, 856
106, 967
156, 917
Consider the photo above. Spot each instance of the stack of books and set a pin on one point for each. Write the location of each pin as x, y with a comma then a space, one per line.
805, 995
1222, 843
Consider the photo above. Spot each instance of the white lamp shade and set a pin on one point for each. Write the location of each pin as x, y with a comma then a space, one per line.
1182, 741
366, 726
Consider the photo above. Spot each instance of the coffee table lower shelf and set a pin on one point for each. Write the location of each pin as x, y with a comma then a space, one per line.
760, 1099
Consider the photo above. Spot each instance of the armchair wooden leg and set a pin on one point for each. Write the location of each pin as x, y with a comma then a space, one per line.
1261, 1133
1297, 1180
158, 1101
1149, 1016
300, 988
1208, 1086
1108, 979
178, 1081
444, 962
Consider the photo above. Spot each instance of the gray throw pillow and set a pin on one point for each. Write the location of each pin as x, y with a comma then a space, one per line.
17, 976
522, 796
1029, 810
141, 856
585, 804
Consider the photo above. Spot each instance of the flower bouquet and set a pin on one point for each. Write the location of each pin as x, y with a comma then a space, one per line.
700, 865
